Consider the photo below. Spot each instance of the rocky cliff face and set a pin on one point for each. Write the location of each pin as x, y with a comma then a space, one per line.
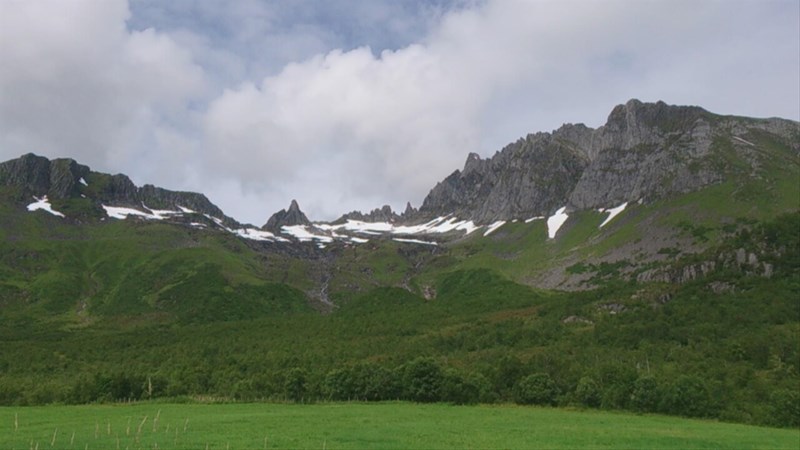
64, 178
383, 214
283, 218
645, 151
37, 175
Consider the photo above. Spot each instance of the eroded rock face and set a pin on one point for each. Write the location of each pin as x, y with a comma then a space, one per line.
383, 214
284, 217
37, 175
530, 177
64, 178
645, 151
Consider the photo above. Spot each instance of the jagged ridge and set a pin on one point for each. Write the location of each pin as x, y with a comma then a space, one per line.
64, 178
645, 151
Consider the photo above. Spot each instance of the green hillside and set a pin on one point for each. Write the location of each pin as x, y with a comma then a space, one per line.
686, 305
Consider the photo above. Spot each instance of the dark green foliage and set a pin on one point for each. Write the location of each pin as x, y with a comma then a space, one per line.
588, 392
460, 389
785, 408
364, 381
142, 310
645, 394
422, 380
536, 389
687, 396
295, 386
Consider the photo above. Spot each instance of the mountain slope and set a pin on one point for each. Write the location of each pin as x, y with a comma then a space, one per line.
651, 265
644, 152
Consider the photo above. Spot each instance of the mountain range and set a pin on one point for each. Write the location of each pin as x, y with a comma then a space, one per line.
650, 264
645, 152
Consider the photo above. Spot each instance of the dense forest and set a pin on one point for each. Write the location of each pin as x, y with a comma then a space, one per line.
723, 345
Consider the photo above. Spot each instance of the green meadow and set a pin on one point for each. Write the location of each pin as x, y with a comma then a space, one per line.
358, 425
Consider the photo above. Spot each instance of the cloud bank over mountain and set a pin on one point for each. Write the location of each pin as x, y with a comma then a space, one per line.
345, 105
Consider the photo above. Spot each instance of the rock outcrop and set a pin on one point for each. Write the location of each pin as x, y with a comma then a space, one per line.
383, 214
37, 175
645, 151
64, 178
283, 218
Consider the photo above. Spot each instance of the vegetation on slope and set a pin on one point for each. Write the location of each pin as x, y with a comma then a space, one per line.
696, 352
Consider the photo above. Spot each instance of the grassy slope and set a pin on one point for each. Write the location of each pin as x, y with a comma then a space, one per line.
374, 426
75, 275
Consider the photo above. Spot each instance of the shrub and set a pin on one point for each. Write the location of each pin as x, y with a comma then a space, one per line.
687, 396
459, 389
294, 387
422, 380
785, 408
645, 395
588, 392
536, 389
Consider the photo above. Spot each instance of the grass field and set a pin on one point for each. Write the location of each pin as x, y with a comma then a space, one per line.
372, 426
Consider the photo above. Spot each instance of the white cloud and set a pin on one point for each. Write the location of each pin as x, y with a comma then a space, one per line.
294, 103
76, 83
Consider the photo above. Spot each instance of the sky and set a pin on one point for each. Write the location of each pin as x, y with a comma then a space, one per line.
352, 104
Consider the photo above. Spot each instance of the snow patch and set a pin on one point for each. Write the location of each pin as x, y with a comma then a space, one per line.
743, 141
255, 234
438, 225
118, 212
612, 212
414, 241
83, 182
555, 221
161, 214
534, 218
185, 210
303, 234
494, 226
43, 204
219, 222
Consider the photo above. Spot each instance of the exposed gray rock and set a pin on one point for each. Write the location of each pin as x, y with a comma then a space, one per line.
61, 179
576, 319
64, 177
383, 214
721, 287
409, 212
531, 177
645, 151
37, 175
283, 218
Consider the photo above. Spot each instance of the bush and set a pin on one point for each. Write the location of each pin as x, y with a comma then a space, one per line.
294, 387
785, 408
422, 380
687, 396
459, 389
588, 392
536, 389
645, 395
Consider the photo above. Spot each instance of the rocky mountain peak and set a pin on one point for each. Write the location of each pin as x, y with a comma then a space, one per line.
284, 218
37, 175
64, 178
473, 163
382, 214
644, 151
409, 211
